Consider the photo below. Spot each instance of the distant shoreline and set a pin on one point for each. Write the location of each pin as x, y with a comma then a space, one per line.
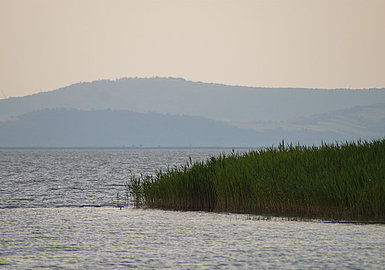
130, 147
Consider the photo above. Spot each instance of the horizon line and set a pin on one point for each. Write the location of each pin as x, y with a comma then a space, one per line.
192, 81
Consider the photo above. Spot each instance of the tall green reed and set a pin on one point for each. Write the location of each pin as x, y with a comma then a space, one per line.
336, 181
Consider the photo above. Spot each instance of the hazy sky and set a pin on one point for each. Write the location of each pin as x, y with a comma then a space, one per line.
47, 44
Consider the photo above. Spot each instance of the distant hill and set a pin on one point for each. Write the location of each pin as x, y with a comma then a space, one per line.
176, 112
181, 97
107, 128
358, 122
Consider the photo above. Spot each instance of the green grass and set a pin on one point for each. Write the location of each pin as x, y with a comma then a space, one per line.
336, 182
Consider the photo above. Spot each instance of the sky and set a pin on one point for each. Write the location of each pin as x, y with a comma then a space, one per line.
48, 44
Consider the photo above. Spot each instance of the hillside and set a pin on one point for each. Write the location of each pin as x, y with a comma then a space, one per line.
107, 128
181, 97
176, 112
358, 122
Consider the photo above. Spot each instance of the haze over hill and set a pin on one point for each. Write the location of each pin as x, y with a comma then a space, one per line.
176, 112
104, 128
178, 96
357, 122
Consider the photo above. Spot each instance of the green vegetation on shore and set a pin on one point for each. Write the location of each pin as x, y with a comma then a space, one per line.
339, 182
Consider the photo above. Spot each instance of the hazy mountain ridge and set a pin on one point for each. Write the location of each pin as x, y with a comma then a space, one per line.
103, 128
69, 127
365, 121
178, 96
176, 112
358, 122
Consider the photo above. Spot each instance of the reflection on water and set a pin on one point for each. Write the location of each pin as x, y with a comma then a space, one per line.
111, 238
57, 178
42, 223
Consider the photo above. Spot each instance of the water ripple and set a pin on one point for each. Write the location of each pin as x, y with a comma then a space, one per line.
54, 178
55, 213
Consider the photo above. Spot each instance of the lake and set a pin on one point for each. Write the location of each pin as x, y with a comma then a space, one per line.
58, 209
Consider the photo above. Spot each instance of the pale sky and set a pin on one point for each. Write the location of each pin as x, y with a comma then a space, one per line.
48, 44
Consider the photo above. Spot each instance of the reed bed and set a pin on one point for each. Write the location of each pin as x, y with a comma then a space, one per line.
334, 182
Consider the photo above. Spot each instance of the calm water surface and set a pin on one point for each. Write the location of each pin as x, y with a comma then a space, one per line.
58, 210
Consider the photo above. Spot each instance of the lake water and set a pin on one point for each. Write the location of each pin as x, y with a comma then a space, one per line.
58, 210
